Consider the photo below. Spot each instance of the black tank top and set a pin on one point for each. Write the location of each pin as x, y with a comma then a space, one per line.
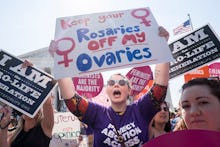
35, 137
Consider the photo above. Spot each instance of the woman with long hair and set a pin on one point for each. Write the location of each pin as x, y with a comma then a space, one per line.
160, 124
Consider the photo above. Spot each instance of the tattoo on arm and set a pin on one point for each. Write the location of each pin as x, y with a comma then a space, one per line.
77, 105
158, 94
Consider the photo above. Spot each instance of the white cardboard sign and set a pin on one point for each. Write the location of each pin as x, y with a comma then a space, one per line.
99, 42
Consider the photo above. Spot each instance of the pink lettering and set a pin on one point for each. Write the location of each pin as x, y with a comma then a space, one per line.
68, 23
135, 38
103, 18
63, 52
95, 45
136, 13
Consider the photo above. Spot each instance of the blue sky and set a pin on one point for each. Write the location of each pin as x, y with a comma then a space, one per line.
30, 25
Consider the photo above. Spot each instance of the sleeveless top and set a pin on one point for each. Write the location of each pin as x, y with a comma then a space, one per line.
35, 137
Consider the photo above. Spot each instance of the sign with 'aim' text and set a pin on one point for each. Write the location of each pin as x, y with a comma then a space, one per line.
24, 89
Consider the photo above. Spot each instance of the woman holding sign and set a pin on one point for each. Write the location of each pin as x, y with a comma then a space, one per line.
120, 124
29, 132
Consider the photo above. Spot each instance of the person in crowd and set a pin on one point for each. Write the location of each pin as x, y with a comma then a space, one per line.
29, 132
160, 124
200, 104
176, 119
172, 115
28, 129
120, 124
180, 125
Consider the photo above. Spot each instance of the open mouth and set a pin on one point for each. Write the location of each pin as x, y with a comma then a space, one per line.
117, 93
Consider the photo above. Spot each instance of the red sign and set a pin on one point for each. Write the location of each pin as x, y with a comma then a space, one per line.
214, 69
145, 90
139, 77
89, 85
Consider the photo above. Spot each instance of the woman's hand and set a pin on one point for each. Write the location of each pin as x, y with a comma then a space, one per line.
164, 33
5, 117
26, 64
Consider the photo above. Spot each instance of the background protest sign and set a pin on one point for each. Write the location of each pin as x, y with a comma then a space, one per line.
98, 42
211, 70
214, 69
89, 85
194, 50
202, 72
139, 77
145, 90
66, 130
24, 89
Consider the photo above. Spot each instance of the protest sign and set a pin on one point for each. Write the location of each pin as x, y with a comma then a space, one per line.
194, 50
99, 42
139, 77
24, 89
145, 90
66, 130
202, 72
214, 70
89, 85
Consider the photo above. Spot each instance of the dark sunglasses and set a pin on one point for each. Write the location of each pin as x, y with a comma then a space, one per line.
121, 82
164, 109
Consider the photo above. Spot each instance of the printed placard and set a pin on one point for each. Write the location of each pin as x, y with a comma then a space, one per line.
214, 69
194, 50
24, 89
139, 77
99, 42
202, 72
89, 86
66, 130
145, 90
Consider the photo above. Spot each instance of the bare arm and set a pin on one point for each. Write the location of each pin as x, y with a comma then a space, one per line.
75, 103
3, 138
48, 117
162, 74
66, 88
162, 70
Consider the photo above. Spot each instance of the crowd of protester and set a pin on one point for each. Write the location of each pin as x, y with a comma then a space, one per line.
148, 117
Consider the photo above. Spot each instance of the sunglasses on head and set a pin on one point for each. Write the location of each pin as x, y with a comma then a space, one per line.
164, 109
121, 82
